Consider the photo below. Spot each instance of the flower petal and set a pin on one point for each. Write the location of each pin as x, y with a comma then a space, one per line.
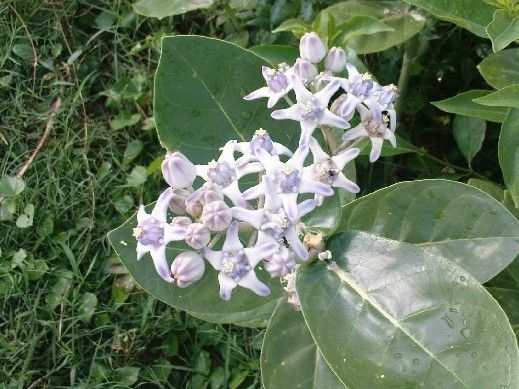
160, 210
251, 282
290, 205
272, 200
355, 133
249, 168
376, 149
302, 94
232, 240
331, 120
305, 207
317, 151
158, 254
254, 192
174, 233
214, 257
348, 106
342, 182
227, 153
141, 250
258, 93
325, 94
390, 136
227, 285
274, 98
257, 253
311, 186
232, 191
343, 158
307, 129
291, 113
253, 217
141, 214
295, 244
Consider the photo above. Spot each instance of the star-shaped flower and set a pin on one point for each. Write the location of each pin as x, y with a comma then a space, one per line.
278, 84
311, 109
153, 233
376, 130
236, 263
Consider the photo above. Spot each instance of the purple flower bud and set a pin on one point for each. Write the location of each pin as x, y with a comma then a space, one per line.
305, 70
194, 209
197, 236
187, 268
178, 200
335, 60
281, 263
216, 216
178, 171
311, 47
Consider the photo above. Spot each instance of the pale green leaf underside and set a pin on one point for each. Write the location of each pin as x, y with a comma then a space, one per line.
200, 299
506, 97
289, 356
390, 315
501, 69
474, 15
444, 217
503, 30
463, 104
162, 8
469, 134
508, 151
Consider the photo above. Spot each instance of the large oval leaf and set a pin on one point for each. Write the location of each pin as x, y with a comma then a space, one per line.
463, 104
162, 8
508, 150
388, 315
444, 217
200, 299
199, 89
289, 356
501, 69
474, 15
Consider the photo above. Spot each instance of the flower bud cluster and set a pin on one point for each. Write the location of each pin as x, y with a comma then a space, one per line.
237, 226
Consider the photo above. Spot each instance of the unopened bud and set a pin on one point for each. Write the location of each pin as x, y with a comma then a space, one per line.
187, 268
178, 200
216, 216
281, 263
194, 209
335, 60
311, 47
178, 171
197, 236
305, 70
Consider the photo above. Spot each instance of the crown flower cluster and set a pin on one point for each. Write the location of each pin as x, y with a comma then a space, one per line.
237, 227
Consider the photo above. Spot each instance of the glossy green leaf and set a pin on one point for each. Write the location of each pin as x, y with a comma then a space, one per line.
501, 69
289, 356
508, 151
393, 14
199, 106
506, 97
503, 30
326, 218
360, 25
463, 104
162, 8
296, 26
443, 217
488, 187
474, 15
509, 301
469, 134
389, 315
200, 299
276, 54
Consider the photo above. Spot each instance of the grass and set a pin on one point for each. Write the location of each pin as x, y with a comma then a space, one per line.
69, 316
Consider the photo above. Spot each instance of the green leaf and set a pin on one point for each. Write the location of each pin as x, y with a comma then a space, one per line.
503, 30
463, 104
402, 24
488, 187
88, 303
509, 301
289, 356
474, 15
443, 217
326, 218
127, 375
162, 8
137, 177
11, 186
122, 120
25, 220
506, 97
501, 69
23, 50
469, 134
276, 54
402, 147
295, 26
389, 315
508, 151
360, 25
199, 106
201, 299
132, 151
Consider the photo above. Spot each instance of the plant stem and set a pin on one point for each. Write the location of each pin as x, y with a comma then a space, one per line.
329, 138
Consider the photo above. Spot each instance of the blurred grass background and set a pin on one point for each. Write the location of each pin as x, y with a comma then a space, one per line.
69, 315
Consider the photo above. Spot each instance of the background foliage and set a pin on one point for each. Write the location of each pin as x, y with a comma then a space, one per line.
69, 315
